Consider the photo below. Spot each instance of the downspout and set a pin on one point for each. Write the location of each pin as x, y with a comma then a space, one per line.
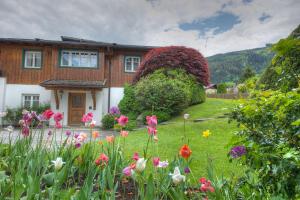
109, 76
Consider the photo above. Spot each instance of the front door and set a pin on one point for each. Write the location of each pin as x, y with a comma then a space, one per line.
76, 108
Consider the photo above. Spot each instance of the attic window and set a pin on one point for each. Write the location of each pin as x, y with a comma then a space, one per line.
32, 59
132, 63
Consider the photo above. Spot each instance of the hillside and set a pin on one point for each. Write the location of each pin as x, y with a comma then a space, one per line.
229, 66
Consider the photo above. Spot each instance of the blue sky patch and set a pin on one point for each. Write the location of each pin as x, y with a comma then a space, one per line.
221, 22
264, 17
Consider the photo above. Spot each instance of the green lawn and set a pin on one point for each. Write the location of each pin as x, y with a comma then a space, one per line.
170, 138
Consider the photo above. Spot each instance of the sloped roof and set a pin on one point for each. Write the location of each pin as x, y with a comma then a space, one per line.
73, 84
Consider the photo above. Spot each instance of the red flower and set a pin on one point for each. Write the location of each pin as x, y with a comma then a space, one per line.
58, 117
123, 120
206, 185
58, 125
156, 161
185, 151
47, 114
102, 159
135, 156
87, 118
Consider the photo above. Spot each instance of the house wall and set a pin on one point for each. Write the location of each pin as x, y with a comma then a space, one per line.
13, 94
2, 95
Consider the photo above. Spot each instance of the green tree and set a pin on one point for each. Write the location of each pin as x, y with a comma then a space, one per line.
247, 73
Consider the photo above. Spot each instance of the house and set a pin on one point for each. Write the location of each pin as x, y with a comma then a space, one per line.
74, 75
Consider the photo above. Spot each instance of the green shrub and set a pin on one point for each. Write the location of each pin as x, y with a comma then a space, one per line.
129, 105
131, 125
270, 124
14, 115
161, 116
222, 88
161, 92
197, 94
108, 121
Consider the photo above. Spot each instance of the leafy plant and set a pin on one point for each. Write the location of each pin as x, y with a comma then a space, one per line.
108, 121
222, 88
270, 133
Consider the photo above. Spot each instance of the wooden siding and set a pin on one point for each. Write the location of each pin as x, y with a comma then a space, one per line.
11, 58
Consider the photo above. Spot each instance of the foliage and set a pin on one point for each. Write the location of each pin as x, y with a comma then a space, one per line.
249, 85
169, 91
229, 66
284, 72
14, 114
270, 131
129, 105
247, 73
222, 88
161, 116
108, 121
175, 57
197, 94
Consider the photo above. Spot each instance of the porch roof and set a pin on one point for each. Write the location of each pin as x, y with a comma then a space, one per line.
73, 84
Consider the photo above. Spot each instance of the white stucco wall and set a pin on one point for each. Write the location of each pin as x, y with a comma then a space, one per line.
116, 96
2, 95
14, 92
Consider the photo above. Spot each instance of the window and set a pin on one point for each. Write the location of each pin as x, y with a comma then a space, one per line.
79, 59
30, 100
32, 59
132, 63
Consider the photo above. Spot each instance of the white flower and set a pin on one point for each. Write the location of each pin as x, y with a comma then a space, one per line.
58, 163
140, 164
186, 116
9, 129
163, 164
177, 177
3, 114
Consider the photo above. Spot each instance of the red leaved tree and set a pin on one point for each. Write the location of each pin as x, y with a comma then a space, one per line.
175, 57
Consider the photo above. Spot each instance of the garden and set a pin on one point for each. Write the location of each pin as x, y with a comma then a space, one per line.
171, 142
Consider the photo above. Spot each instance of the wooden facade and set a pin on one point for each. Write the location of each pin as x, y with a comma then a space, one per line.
11, 64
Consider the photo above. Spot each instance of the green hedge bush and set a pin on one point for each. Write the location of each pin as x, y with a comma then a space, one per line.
161, 116
222, 88
270, 132
108, 121
129, 105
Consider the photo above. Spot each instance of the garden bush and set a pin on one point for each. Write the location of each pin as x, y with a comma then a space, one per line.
169, 91
174, 57
222, 88
108, 121
129, 105
161, 116
270, 128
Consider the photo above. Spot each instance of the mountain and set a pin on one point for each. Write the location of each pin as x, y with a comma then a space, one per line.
229, 66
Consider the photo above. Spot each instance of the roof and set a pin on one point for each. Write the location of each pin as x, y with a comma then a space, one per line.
72, 41
73, 84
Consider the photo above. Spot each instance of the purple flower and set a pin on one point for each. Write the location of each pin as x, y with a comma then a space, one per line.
238, 151
49, 132
187, 170
114, 110
76, 135
77, 145
68, 133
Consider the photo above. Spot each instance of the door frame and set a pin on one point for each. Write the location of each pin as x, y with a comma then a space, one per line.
69, 105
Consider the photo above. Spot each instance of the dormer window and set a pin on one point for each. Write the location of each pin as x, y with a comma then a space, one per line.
32, 59
75, 58
132, 63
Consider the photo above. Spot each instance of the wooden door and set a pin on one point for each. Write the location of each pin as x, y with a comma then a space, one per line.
76, 108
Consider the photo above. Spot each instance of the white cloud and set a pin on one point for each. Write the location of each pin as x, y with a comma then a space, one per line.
145, 23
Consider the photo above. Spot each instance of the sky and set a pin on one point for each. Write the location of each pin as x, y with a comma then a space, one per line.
210, 26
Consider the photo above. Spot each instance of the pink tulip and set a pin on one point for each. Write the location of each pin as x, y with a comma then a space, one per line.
127, 171
123, 120
152, 130
156, 161
135, 156
124, 133
151, 121
47, 114
57, 117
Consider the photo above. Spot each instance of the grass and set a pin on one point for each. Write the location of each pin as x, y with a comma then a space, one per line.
170, 138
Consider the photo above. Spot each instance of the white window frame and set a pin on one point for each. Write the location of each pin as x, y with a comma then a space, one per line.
34, 52
31, 99
132, 63
88, 54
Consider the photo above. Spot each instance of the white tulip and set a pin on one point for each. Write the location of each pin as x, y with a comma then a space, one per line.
140, 164
177, 177
186, 116
58, 163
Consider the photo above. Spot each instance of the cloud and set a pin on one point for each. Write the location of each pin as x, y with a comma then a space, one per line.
154, 22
